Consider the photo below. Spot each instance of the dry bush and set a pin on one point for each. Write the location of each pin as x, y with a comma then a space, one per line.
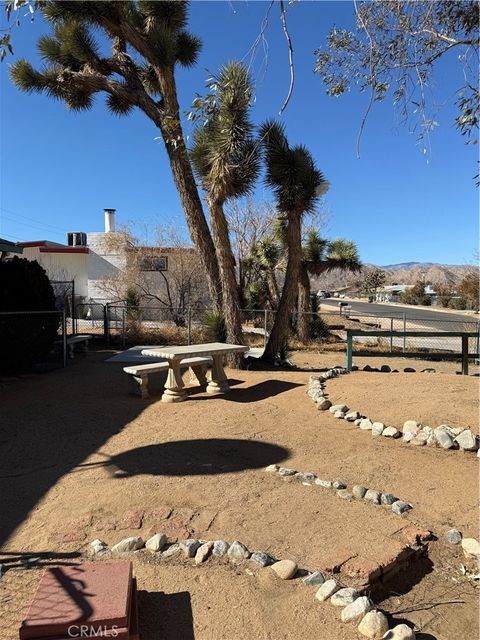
167, 335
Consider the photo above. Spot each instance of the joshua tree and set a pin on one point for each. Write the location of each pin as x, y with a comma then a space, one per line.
297, 184
266, 255
226, 159
147, 40
321, 256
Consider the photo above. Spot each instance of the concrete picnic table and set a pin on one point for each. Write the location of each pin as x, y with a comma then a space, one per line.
174, 387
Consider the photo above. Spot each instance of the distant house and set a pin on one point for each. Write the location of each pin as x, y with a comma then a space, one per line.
8, 248
93, 259
392, 292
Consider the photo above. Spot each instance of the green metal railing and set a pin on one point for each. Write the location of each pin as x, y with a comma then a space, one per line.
464, 335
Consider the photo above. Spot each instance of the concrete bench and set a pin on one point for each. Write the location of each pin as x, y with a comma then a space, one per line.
80, 341
147, 378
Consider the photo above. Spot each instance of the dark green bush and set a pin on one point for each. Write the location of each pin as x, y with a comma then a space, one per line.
25, 339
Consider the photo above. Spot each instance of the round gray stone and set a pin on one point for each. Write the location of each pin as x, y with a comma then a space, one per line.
372, 496
220, 548
314, 578
190, 547
343, 597
238, 552
262, 559
358, 491
454, 536
400, 507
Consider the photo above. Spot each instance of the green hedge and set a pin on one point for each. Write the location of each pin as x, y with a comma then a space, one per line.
25, 339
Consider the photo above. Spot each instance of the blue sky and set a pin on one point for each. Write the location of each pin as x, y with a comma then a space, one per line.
60, 169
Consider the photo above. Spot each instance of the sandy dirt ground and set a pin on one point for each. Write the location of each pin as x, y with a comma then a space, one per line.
81, 459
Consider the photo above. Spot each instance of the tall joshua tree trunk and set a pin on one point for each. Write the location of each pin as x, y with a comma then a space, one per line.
304, 306
277, 341
172, 133
230, 291
272, 286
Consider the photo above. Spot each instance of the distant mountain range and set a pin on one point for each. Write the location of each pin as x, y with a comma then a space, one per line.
402, 273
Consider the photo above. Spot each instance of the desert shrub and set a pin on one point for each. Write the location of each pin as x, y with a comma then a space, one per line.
457, 303
25, 339
215, 326
320, 329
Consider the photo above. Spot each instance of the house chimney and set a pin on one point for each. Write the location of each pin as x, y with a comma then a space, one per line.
109, 220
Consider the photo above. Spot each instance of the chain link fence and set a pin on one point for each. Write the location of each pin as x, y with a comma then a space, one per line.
121, 325
401, 322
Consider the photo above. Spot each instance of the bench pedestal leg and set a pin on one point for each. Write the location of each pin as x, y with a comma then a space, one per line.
198, 375
174, 391
218, 382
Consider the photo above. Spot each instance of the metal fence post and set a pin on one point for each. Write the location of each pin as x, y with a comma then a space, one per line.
404, 330
349, 351
391, 335
189, 324
64, 338
123, 328
74, 315
477, 342
106, 328
265, 323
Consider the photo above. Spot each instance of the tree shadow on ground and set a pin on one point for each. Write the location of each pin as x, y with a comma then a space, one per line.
50, 424
27, 559
165, 616
256, 392
193, 457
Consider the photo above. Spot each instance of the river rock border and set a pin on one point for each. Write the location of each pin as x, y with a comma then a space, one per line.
413, 432
354, 606
359, 492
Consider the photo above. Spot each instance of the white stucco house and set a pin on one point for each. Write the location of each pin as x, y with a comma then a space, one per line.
90, 259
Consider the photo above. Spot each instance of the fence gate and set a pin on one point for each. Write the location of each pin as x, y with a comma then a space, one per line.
64, 291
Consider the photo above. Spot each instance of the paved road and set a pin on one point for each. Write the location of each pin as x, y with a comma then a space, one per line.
434, 318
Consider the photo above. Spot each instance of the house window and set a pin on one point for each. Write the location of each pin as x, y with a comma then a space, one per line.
154, 263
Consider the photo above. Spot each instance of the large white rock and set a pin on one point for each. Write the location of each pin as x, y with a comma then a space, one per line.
411, 426
156, 542
471, 547
400, 632
374, 625
327, 590
366, 424
128, 544
467, 441
377, 429
356, 609
444, 439
285, 569
391, 432
203, 552
338, 407
343, 597
238, 552
98, 547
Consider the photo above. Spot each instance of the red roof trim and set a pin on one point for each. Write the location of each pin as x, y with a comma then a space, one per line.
33, 243
64, 250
